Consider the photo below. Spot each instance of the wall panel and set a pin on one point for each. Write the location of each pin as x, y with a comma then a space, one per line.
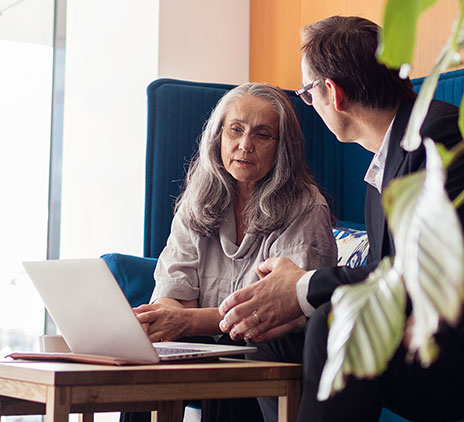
274, 41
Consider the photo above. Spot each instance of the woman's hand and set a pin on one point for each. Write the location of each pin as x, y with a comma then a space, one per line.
166, 320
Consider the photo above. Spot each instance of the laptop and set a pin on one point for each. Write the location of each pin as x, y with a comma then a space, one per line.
94, 317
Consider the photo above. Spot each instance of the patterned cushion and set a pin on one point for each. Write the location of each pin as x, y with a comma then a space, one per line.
353, 246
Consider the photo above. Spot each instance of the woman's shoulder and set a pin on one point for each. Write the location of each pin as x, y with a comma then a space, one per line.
181, 222
312, 200
309, 235
310, 211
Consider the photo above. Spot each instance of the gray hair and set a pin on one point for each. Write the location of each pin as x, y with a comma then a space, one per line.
279, 197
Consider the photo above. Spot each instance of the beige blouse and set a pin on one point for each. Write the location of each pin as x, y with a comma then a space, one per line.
192, 266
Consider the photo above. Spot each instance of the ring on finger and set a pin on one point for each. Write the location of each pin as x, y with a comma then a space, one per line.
255, 315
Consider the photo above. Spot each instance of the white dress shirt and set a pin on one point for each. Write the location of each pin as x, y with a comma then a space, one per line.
374, 174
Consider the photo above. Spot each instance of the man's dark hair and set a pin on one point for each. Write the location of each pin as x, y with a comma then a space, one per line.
343, 49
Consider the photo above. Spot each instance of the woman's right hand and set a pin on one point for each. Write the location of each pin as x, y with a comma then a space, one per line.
164, 321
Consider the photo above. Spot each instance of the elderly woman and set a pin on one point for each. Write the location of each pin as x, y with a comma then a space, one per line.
248, 196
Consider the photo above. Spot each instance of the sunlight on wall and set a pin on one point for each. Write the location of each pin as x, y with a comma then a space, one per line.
25, 84
110, 60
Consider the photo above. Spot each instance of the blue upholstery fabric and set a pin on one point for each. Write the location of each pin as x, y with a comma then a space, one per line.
177, 111
389, 416
450, 87
134, 275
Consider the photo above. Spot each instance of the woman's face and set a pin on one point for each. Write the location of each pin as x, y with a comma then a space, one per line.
249, 140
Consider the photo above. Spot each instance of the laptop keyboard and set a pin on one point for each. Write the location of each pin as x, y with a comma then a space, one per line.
167, 351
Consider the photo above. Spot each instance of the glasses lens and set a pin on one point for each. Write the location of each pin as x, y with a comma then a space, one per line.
233, 132
307, 97
305, 94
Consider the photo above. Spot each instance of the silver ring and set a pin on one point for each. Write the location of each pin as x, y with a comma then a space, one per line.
256, 316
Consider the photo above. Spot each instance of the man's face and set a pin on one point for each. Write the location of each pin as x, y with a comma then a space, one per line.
323, 103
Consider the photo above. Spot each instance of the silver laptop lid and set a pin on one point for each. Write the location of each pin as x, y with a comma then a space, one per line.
89, 308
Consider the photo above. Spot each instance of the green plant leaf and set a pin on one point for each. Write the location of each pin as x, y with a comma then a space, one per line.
461, 117
459, 200
429, 250
446, 156
367, 326
398, 35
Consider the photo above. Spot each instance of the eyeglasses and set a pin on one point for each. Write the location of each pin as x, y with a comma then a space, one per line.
236, 132
304, 93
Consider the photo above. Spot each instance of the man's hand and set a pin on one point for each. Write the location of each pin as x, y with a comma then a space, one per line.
267, 308
278, 331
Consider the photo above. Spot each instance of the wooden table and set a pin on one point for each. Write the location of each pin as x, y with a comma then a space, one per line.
57, 389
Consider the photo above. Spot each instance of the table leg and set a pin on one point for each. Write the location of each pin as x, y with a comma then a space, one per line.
85, 417
58, 404
170, 411
289, 404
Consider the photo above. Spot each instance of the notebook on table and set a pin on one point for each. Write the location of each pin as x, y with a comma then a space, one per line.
95, 318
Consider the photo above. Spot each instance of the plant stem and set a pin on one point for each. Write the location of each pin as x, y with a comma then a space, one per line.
459, 200
456, 152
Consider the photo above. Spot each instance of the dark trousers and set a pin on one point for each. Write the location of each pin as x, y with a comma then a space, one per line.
287, 349
430, 394
227, 410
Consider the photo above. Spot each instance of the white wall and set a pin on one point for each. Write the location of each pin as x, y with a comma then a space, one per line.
110, 59
205, 40
111, 56
30, 21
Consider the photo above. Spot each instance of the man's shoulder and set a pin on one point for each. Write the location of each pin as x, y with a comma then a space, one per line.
441, 123
441, 109
437, 109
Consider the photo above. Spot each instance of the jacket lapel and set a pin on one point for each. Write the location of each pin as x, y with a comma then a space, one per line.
396, 157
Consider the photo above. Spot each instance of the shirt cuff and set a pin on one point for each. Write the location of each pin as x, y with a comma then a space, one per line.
302, 292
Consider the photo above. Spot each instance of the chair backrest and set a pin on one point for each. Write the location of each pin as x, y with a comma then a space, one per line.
177, 111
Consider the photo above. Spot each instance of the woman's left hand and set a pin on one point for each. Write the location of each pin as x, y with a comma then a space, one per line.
163, 322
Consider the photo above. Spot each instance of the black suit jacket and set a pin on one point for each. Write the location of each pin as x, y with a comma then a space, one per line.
441, 124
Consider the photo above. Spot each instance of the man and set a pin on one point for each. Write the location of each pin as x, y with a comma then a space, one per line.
360, 101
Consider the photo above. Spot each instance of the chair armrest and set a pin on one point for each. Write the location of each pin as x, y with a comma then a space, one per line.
134, 275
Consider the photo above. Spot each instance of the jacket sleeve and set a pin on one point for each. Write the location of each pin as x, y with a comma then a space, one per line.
326, 280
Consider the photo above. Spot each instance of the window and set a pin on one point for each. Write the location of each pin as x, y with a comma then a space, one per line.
26, 56
25, 107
